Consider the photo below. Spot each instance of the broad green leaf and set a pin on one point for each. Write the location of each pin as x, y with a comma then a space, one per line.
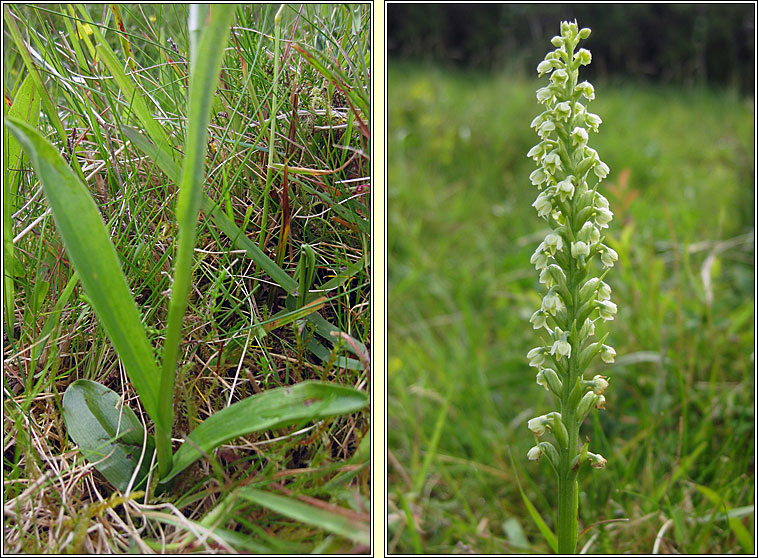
356, 531
107, 432
90, 250
274, 408
204, 78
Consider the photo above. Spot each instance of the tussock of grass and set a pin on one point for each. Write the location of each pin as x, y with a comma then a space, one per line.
55, 502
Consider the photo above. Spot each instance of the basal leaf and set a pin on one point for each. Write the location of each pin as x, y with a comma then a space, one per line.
90, 250
274, 408
107, 432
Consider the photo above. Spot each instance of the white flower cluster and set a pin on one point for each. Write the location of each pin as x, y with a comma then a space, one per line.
567, 177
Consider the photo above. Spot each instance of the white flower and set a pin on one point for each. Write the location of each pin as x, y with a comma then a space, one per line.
603, 217
588, 329
536, 151
553, 243
545, 128
545, 95
538, 177
601, 201
559, 77
608, 256
565, 188
607, 309
544, 66
552, 302
543, 204
596, 460
552, 162
592, 120
538, 425
562, 110
580, 249
539, 258
542, 381
600, 402
534, 454
579, 136
538, 319
586, 89
601, 170
584, 56
546, 278
589, 233
608, 354
561, 347
539, 119
599, 384
536, 357
604, 292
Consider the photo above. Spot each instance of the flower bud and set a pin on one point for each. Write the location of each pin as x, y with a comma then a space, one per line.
557, 41
552, 381
588, 329
584, 33
580, 249
589, 288
585, 404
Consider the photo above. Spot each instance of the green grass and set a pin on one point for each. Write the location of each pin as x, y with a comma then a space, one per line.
678, 432
246, 329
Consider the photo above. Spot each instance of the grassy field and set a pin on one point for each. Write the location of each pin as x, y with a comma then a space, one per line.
678, 432
279, 290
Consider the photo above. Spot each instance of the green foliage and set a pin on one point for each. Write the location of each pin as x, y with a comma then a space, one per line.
460, 234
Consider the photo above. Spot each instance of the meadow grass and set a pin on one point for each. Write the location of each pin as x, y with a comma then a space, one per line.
297, 489
679, 433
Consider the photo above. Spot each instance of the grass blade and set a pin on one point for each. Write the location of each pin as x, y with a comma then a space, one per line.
354, 530
274, 408
26, 106
204, 78
107, 432
95, 260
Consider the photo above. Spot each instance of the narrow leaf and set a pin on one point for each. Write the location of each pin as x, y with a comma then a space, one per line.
356, 531
95, 260
274, 408
107, 432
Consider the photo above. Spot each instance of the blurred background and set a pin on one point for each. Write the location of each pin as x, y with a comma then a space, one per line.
674, 86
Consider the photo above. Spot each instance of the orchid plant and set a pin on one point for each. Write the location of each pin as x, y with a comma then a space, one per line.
567, 178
